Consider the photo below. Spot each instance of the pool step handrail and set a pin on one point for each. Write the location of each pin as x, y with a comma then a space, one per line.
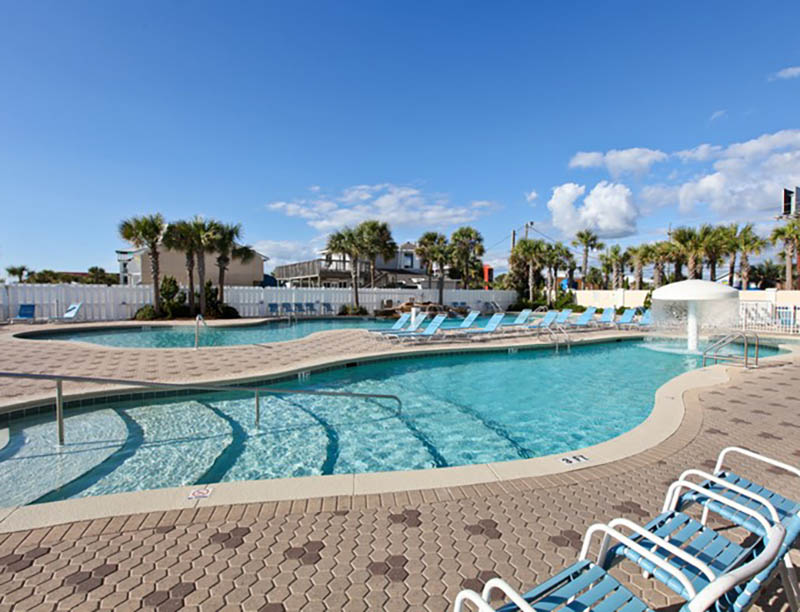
59, 379
712, 352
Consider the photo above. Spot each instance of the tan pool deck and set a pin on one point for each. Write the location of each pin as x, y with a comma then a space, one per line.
412, 548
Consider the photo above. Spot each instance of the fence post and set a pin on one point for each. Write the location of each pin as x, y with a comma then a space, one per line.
60, 412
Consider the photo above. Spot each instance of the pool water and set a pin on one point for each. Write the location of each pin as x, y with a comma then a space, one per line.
182, 336
457, 409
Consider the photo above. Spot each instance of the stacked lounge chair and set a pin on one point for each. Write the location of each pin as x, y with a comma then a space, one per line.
469, 320
546, 321
327, 308
607, 319
274, 309
646, 320
298, 308
627, 318
398, 325
705, 568
286, 308
311, 308
586, 318
521, 320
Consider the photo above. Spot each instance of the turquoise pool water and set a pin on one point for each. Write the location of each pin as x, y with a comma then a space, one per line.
182, 336
457, 409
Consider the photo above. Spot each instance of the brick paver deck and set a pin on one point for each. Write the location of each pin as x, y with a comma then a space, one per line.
399, 551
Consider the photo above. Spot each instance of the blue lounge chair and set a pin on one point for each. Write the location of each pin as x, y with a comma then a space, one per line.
398, 325
311, 308
327, 308
586, 585
563, 316
491, 326
274, 310
546, 321
469, 320
26, 313
626, 318
585, 319
298, 308
608, 318
426, 334
646, 319
413, 327
768, 503
522, 318
286, 308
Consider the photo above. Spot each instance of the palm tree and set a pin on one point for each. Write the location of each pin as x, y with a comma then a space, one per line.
639, 256
97, 276
688, 244
594, 278
589, 241
661, 255
424, 251
616, 258
225, 237
147, 232
553, 257
713, 247
467, 248
783, 234
530, 253
376, 239
18, 271
204, 240
181, 236
346, 242
748, 243
766, 274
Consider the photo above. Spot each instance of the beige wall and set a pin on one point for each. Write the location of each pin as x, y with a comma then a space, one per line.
173, 263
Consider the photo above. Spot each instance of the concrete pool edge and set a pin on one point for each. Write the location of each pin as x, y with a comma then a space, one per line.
671, 424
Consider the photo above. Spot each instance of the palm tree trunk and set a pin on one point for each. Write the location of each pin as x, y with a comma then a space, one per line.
372, 274
201, 277
731, 269
712, 270
530, 281
190, 273
692, 265
787, 255
221, 281
744, 270
639, 275
797, 260
441, 283
585, 262
154, 271
356, 280
657, 272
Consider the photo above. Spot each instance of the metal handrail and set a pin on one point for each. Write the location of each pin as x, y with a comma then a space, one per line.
60, 378
725, 341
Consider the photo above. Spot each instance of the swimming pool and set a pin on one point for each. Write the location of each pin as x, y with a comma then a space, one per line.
458, 409
182, 336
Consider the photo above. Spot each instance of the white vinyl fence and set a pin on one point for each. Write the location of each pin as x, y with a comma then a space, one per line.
768, 317
102, 303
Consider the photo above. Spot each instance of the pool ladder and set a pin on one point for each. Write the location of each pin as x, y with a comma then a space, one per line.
256, 391
712, 352
556, 331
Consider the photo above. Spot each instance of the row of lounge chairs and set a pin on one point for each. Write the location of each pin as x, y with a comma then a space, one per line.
553, 319
705, 568
299, 308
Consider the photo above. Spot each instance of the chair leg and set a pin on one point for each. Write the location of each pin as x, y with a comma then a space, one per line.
789, 582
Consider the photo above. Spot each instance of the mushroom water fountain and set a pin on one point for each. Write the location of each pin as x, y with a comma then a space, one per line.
698, 305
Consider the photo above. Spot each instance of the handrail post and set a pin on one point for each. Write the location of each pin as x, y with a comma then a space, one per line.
60, 411
258, 409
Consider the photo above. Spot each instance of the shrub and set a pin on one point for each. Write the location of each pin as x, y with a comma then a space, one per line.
145, 313
349, 309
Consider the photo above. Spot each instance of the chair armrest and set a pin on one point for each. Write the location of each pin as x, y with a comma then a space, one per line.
736, 489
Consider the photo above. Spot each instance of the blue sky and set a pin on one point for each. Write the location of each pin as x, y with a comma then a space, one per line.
294, 118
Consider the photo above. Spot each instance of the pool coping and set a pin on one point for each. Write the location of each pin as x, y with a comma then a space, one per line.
670, 415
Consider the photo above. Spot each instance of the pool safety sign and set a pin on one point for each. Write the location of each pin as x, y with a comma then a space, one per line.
201, 493
573, 459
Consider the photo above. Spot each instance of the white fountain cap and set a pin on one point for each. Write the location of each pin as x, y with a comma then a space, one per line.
694, 291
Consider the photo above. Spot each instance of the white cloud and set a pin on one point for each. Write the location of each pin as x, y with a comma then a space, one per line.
315, 188
287, 251
636, 160
719, 114
531, 196
701, 152
584, 159
792, 72
398, 205
747, 175
608, 209
657, 196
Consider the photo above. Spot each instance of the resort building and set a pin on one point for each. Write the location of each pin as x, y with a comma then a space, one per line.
405, 269
134, 268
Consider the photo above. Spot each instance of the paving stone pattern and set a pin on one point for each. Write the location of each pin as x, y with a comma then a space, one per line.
403, 551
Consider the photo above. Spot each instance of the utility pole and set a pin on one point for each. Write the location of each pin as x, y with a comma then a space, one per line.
513, 239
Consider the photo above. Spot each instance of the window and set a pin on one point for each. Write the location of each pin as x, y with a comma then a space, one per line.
408, 260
